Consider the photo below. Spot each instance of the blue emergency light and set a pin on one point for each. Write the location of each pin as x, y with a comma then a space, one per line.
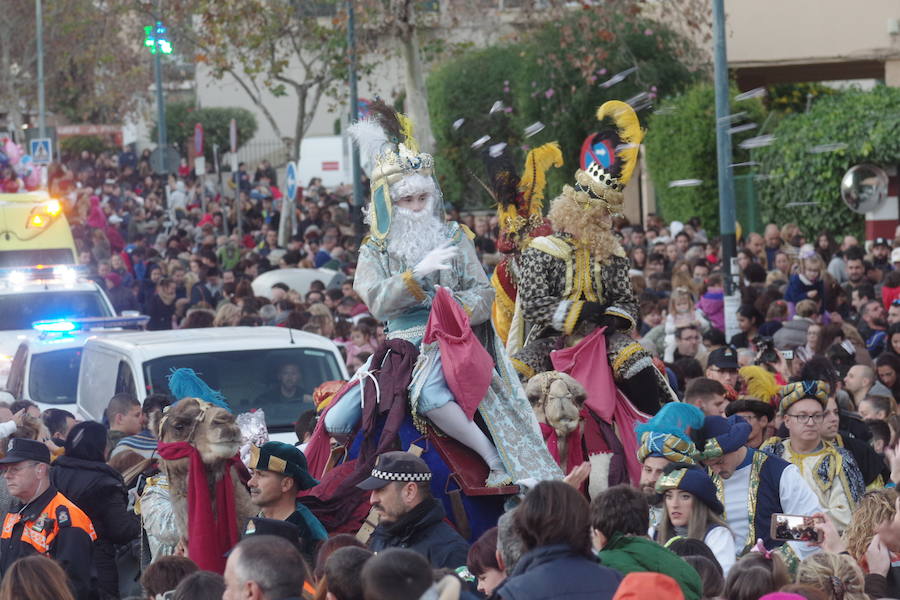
89, 324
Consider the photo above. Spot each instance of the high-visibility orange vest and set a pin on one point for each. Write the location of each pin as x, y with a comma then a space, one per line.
40, 533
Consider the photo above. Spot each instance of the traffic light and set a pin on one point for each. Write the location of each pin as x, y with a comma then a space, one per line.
155, 39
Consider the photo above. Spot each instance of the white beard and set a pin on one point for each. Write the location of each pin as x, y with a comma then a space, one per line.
414, 234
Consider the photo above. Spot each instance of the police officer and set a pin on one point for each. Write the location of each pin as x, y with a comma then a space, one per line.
278, 471
410, 517
46, 522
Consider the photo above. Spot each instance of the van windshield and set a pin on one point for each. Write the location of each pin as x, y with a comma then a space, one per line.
53, 376
19, 311
280, 382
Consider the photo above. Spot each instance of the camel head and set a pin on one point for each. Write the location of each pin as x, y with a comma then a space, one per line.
557, 399
210, 429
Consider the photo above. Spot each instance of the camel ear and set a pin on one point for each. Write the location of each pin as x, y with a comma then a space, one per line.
155, 422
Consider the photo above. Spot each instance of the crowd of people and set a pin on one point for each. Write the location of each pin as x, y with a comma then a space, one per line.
786, 406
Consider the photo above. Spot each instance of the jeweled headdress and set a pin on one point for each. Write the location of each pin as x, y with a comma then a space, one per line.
385, 140
610, 157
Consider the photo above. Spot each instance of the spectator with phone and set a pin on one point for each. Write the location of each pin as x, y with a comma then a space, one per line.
694, 511
755, 485
830, 471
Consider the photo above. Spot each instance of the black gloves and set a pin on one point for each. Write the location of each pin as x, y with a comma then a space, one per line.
594, 312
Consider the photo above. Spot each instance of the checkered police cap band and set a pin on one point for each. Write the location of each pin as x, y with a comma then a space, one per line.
401, 476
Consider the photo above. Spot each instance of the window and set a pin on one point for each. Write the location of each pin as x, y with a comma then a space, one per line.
53, 377
280, 382
42, 256
124, 379
19, 311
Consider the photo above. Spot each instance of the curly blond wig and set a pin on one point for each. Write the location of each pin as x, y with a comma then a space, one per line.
874, 508
572, 212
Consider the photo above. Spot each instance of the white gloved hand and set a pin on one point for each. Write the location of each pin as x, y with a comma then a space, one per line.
436, 260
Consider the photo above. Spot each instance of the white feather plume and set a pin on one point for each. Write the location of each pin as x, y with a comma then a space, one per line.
370, 138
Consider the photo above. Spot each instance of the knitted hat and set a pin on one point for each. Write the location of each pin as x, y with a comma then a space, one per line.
648, 586
693, 480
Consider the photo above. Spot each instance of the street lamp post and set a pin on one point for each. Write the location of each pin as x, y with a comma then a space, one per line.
42, 111
354, 115
727, 211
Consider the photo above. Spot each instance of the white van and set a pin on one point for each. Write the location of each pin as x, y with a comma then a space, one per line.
241, 362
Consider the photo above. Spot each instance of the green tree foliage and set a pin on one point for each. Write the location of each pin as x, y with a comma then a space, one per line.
681, 144
75, 145
554, 76
804, 165
181, 117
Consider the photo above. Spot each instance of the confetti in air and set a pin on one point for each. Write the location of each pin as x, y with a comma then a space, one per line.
757, 142
458, 123
797, 204
749, 163
618, 78
741, 128
497, 149
481, 141
732, 117
497, 107
685, 183
823, 148
534, 129
754, 93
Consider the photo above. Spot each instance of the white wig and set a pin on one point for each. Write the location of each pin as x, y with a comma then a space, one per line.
414, 183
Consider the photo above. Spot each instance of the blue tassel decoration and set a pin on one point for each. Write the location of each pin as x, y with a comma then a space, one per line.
185, 383
674, 418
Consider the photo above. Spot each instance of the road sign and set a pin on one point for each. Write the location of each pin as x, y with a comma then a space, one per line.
232, 135
171, 161
291, 181
198, 139
41, 151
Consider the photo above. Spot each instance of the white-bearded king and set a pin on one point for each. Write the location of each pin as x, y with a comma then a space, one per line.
411, 253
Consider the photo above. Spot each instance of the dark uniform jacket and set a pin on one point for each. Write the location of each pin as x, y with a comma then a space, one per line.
51, 524
423, 530
98, 490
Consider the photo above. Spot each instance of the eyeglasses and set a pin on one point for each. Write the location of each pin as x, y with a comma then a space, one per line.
807, 419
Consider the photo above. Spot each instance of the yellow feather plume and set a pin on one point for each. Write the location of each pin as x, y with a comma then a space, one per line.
630, 133
761, 383
406, 129
534, 178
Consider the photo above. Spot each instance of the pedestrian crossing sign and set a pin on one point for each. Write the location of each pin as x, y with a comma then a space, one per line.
41, 151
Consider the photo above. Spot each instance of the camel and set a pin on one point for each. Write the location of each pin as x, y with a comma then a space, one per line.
213, 432
557, 399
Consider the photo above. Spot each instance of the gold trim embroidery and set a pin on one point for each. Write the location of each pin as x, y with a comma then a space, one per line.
624, 354
522, 368
572, 317
759, 458
413, 286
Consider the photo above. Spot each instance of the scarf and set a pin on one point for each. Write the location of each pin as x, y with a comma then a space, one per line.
209, 538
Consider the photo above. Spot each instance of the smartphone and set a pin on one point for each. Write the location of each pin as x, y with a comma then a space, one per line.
794, 528
787, 354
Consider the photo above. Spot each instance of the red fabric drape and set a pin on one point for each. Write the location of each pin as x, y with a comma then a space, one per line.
209, 537
587, 362
467, 366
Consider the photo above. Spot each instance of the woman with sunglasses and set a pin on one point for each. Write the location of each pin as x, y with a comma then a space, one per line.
830, 471
694, 511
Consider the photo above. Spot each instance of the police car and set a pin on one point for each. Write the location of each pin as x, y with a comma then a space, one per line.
45, 367
250, 366
42, 293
